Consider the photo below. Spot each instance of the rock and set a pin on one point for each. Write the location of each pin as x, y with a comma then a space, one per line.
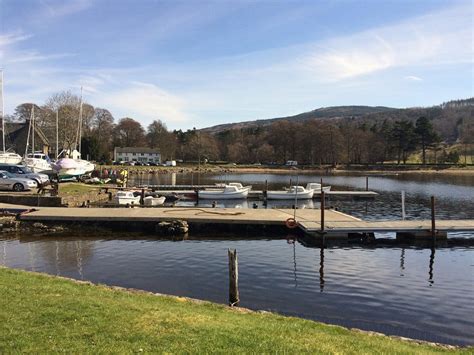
172, 227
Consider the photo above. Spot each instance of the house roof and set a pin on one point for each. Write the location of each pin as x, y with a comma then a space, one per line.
16, 135
136, 150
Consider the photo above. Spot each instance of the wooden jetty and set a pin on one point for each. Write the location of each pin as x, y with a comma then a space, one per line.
331, 224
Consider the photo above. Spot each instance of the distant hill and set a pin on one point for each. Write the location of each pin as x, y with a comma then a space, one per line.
447, 117
320, 113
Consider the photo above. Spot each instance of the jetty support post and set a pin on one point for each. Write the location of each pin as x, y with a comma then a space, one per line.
233, 278
322, 210
403, 205
433, 219
142, 198
265, 191
366, 183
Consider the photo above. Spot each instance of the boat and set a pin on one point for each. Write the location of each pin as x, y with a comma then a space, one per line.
151, 201
68, 168
36, 161
294, 192
125, 198
229, 191
317, 187
6, 157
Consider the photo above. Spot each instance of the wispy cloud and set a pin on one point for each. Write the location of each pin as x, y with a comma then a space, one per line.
147, 101
438, 38
54, 8
413, 78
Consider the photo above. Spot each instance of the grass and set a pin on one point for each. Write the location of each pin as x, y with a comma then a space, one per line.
73, 188
40, 313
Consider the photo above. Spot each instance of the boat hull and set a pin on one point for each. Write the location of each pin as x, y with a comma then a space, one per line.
285, 195
221, 195
10, 158
123, 201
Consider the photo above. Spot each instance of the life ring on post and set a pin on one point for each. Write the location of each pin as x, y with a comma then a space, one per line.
291, 223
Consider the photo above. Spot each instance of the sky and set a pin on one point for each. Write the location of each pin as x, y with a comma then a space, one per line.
200, 63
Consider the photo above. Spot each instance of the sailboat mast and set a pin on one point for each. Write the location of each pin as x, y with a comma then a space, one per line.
57, 133
29, 132
1, 110
80, 125
33, 128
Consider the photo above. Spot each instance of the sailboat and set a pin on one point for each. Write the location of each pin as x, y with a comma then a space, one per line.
6, 157
36, 161
72, 166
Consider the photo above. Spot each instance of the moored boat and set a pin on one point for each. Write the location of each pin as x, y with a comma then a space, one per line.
38, 162
317, 187
151, 201
226, 192
298, 192
125, 198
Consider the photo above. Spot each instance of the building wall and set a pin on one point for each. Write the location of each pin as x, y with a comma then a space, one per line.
137, 156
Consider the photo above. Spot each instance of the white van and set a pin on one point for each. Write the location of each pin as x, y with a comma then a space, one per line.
291, 163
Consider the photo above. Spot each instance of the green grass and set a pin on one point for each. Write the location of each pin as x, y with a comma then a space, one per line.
40, 313
73, 188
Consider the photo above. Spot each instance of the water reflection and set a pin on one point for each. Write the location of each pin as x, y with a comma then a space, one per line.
430, 269
321, 269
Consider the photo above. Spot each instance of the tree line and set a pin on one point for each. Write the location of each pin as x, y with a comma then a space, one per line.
340, 141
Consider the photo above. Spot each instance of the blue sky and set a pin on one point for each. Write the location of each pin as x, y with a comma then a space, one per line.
200, 63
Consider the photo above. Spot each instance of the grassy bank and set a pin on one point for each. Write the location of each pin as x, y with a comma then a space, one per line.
40, 313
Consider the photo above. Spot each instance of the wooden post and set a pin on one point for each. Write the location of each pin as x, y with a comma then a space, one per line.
265, 191
142, 198
322, 210
366, 183
233, 278
290, 182
433, 221
321, 183
403, 205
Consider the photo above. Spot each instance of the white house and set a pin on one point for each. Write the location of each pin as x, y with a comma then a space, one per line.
142, 155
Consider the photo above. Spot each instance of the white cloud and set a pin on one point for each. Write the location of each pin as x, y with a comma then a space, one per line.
413, 78
145, 102
439, 38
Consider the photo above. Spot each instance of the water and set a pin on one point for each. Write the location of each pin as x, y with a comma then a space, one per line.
404, 290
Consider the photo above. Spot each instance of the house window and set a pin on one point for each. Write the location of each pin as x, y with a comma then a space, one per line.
134, 154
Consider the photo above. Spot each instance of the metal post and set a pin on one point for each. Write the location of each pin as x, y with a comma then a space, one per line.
403, 205
433, 221
322, 210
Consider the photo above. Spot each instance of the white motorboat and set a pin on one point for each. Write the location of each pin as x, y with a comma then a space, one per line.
9, 158
125, 198
230, 191
38, 162
298, 192
151, 201
317, 187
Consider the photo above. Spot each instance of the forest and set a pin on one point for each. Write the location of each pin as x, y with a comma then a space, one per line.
389, 135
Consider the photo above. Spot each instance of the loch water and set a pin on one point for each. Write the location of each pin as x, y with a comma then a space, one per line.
410, 290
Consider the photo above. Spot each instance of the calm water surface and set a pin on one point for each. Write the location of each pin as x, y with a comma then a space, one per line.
405, 290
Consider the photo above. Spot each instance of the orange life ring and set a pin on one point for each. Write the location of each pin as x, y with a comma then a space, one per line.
291, 223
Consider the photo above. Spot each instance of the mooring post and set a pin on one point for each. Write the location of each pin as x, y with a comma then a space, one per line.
233, 278
265, 191
142, 199
403, 205
366, 183
290, 182
433, 221
321, 183
322, 210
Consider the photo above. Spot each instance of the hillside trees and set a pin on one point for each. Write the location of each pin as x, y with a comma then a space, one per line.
426, 135
159, 137
129, 133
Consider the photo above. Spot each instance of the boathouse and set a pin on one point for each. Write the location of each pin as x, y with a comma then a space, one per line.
16, 136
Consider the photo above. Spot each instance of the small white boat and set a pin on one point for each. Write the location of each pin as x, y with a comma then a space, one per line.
38, 162
151, 201
126, 198
10, 158
317, 187
298, 192
233, 190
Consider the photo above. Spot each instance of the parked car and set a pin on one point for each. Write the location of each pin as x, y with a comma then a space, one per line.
9, 182
22, 171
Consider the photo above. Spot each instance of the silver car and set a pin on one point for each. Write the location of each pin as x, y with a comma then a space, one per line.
9, 182
22, 171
